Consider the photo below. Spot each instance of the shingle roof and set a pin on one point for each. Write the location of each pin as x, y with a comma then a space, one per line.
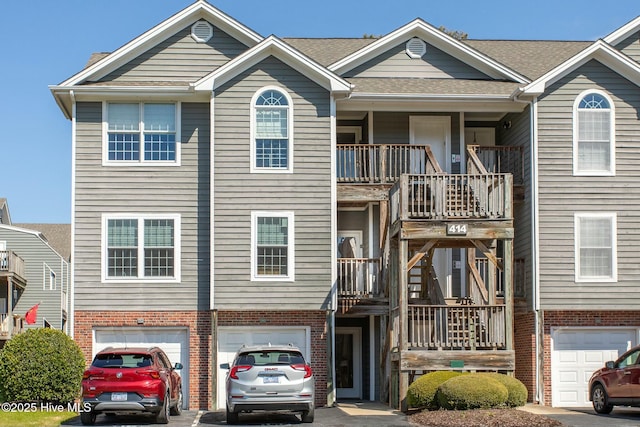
403, 86
327, 51
530, 58
58, 236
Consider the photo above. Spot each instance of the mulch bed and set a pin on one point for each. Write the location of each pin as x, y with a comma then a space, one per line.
482, 418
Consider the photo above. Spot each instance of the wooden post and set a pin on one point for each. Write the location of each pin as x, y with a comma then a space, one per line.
508, 292
403, 342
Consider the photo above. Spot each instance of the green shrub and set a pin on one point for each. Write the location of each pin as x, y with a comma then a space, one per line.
421, 393
517, 391
41, 365
472, 391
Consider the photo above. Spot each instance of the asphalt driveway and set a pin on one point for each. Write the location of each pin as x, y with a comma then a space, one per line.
586, 417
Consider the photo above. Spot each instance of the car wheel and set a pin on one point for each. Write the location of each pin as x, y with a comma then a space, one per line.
177, 409
232, 417
88, 418
600, 400
307, 416
163, 416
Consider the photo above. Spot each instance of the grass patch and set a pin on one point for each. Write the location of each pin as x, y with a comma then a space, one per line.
35, 419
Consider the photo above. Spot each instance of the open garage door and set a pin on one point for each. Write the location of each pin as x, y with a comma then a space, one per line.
576, 353
230, 339
173, 341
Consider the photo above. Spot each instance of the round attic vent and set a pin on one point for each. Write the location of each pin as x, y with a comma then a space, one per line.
201, 31
416, 48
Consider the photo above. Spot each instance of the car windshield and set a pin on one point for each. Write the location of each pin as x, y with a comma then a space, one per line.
270, 357
132, 360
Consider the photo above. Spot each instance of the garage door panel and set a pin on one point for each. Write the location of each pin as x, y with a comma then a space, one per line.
576, 354
231, 339
174, 342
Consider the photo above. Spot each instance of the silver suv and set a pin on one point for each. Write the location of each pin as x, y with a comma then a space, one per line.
269, 378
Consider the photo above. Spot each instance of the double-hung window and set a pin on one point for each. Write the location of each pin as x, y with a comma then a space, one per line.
272, 239
596, 250
271, 137
594, 142
141, 133
138, 247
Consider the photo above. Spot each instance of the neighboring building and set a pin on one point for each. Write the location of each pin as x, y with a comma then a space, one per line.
391, 206
33, 272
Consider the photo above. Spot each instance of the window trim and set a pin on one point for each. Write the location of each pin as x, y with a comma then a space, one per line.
291, 250
142, 161
140, 217
48, 274
612, 216
252, 132
612, 134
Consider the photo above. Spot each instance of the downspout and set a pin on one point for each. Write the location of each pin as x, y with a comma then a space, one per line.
72, 281
332, 396
539, 385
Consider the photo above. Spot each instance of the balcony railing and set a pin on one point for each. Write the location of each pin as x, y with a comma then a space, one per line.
11, 262
457, 327
501, 159
358, 277
461, 196
382, 163
10, 325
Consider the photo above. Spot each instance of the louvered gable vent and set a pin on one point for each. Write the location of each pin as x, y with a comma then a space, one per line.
416, 48
201, 31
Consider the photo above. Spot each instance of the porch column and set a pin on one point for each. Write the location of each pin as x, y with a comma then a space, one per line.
403, 344
508, 292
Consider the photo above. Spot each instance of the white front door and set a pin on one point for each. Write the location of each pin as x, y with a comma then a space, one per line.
435, 131
349, 363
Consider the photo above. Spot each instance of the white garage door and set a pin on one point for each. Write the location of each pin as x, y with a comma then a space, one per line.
230, 339
576, 353
173, 341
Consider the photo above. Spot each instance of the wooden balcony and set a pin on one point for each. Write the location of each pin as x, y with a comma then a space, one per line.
11, 265
365, 172
359, 290
10, 325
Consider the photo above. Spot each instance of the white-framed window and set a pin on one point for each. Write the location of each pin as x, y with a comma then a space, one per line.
272, 246
141, 134
271, 131
593, 134
139, 247
49, 278
596, 247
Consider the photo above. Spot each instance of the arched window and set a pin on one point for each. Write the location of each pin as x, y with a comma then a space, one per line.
272, 131
594, 144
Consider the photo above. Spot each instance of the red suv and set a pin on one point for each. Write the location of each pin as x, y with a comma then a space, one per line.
131, 380
617, 383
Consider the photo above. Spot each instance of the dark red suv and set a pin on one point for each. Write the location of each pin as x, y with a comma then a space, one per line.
617, 383
131, 380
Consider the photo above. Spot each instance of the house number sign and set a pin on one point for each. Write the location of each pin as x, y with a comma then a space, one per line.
456, 229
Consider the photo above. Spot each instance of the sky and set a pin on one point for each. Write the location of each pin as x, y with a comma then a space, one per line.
43, 42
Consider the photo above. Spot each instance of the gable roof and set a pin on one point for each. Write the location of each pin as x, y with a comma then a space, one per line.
623, 32
57, 235
196, 11
435, 37
38, 234
4, 206
599, 51
273, 46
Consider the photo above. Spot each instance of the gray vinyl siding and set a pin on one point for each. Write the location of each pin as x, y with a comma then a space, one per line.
306, 192
631, 46
180, 58
561, 194
434, 64
36, 253
519, 134
182, 190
